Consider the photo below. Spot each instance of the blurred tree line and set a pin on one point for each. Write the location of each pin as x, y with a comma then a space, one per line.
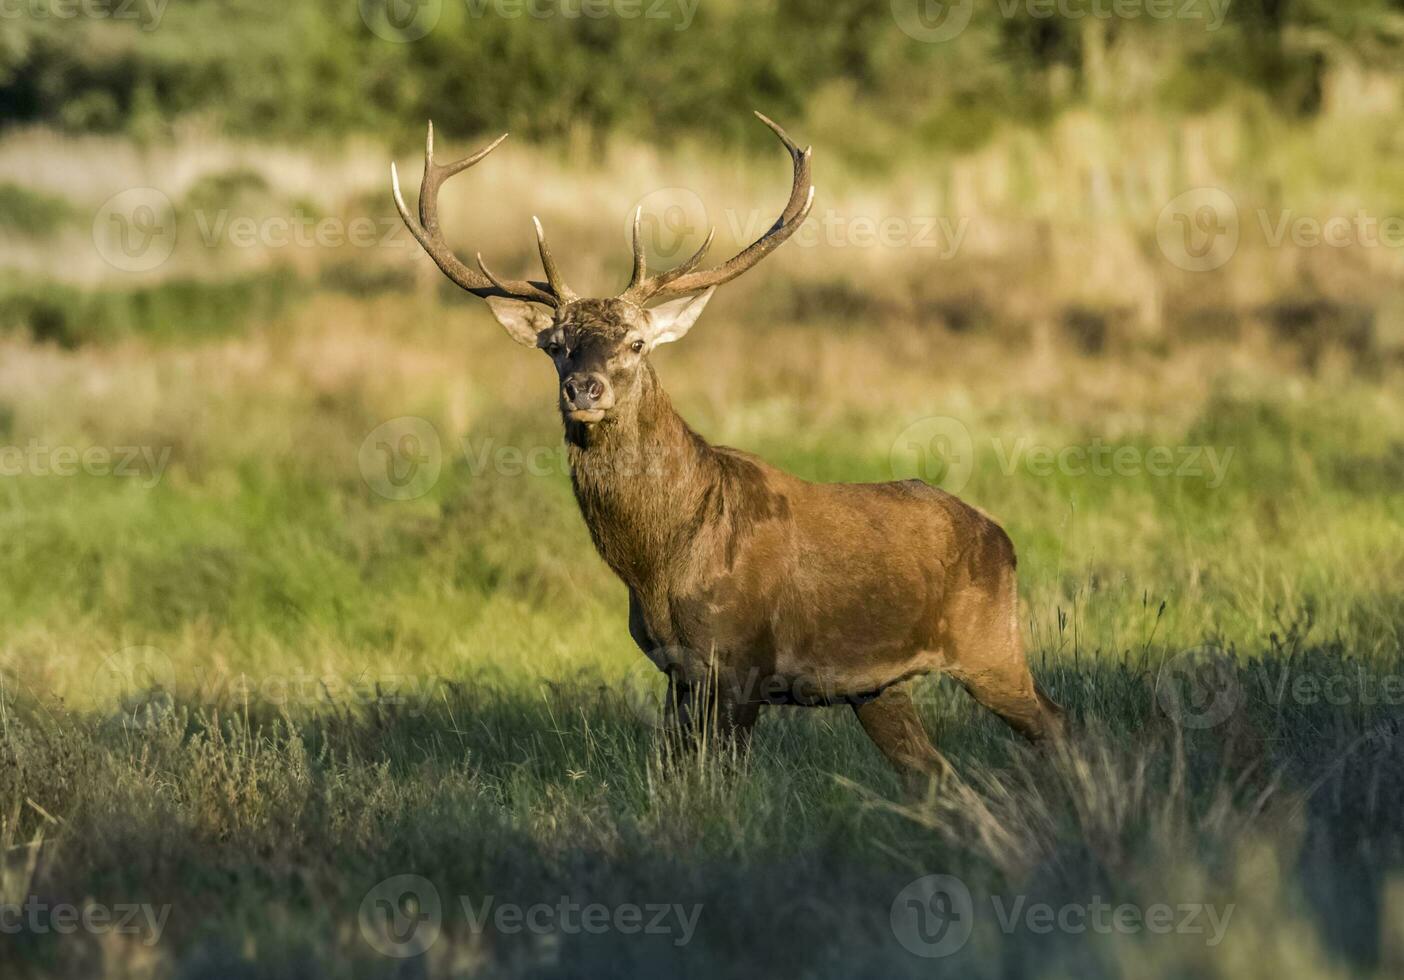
661, 69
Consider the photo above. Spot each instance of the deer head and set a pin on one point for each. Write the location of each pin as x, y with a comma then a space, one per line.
599, 346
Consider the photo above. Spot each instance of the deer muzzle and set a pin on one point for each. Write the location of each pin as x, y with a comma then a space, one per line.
586, 397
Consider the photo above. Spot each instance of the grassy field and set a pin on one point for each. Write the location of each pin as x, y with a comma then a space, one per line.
250, 678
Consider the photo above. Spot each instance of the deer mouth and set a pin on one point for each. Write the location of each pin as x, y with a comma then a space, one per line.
587, 415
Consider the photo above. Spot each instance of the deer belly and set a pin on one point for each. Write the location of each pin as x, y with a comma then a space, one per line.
853, 654
790, 646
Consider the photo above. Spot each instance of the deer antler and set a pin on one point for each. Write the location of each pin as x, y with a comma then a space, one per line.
552, 293
682, 280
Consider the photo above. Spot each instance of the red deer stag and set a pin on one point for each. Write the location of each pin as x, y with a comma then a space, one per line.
748, 585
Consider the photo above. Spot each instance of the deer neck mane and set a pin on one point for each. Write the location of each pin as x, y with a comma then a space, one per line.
640, 478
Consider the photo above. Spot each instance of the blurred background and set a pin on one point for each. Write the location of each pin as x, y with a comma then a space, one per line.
1012, 166
1126, 275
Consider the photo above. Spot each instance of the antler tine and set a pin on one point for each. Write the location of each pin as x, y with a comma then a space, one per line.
674, 273
435, 175
683, 279
640, 262
553, 275
488, 272
640, 279
426, 231
803, 159
467, 161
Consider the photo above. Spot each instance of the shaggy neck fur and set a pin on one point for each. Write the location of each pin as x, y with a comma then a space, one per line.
642, 478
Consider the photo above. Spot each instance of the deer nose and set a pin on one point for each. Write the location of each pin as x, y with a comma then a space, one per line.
583, 390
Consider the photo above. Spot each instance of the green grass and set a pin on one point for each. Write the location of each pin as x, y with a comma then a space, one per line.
29, 212
183, 309
254, 688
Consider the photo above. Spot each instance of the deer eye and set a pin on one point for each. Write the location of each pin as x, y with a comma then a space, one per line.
554, 349
637, 346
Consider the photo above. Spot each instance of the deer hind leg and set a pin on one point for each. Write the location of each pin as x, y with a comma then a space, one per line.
892, 722
987, 658
1015, 697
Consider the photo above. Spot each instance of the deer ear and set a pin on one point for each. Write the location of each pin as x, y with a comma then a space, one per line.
669, 321
523, 321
